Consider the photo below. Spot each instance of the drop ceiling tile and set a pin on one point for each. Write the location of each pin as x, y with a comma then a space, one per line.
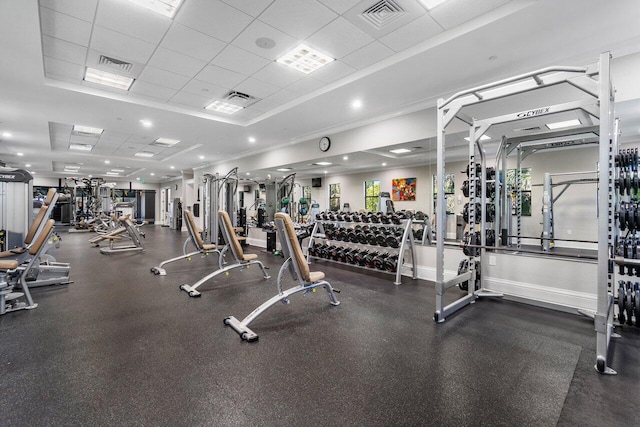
305, 86
214, 18
175, 62
455, 12
246, 114
368, 55
61, 78
151, 90
132, 20
64, 51
333, 71
220, 76
339, 38
413, 33
340, 6
65, 27
278, 99
162, 78
120, 46
196, 87
184, 99
251, 7
192, 43
239, 60
82, 9
278, 75
256, 88
298, 18
247, 40
62, 68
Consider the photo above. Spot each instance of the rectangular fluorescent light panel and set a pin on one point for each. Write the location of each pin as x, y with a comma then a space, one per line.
305, 59
400, 151
112, 173
144, 154
167, 8
565, 124
117, 170
72, 167
322, 164
223, 107
284, 169
167, 141
81, 147
482, 138
430, 4
87, 129
106, 78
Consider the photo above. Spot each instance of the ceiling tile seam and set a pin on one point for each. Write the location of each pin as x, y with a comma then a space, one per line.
62, 13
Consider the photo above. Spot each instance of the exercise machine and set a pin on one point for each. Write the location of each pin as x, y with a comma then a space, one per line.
16, 193
133, 234
296, 264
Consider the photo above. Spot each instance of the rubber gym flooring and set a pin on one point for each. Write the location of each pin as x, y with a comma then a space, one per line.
120, 346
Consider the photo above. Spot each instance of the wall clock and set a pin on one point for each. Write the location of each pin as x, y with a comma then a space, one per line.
324, 143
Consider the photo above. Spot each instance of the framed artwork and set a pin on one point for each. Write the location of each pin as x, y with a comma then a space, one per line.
403, 189
449, 192
525, 186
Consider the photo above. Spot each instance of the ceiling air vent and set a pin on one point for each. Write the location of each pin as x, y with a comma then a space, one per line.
239, 98
115, 63
382, 13
531, 129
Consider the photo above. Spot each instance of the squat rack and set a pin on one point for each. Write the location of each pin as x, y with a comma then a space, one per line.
593, 81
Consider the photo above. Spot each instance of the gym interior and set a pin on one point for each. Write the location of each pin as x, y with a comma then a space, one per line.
319, 212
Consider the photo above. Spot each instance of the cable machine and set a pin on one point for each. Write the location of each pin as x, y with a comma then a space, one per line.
219, 194
592, 82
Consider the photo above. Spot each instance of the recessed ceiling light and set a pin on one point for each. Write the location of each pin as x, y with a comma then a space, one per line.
144, 154
87, 129
400, 151
20, 154
305, 59
322, 163
152, 174
72, 167
112, 173
430, 4
482, 138
90, 176
81, 147
325, 171
27, 165
223, 107
106, 78
565, 124
252, 139
6, 134
106, 162
117, 170
248, 173
345, 157
164, 7
172, 167
146, 123
166, 142
284, 169
137, 178
384, 164
201, 157
356, 104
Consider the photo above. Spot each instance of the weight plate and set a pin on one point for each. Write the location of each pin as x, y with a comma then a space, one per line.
628, 303
636, 310
621, 293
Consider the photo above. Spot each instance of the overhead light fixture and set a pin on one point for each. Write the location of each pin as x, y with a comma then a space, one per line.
106, 78
325, 171
167, 8
166, 142
81, 147
152, 174
252, 139
356, 104
223, 107
87, 129
146, 123
201, 157
284, 169
6, 134
106, 162
564, 124
20, 154
112, 173
248, 173
345, 157
305, 59
117, 170
482, 138
172, 167
144, 154
400, 151
321, 164
384, 164
71, 167
430, 4
27, 165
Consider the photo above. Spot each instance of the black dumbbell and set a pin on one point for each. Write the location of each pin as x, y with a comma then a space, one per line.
368, 259
360, 257
391, 263
378, 262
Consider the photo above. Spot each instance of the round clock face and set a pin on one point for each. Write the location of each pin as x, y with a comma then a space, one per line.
324, 144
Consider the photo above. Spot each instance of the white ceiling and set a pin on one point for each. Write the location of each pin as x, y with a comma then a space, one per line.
209, 48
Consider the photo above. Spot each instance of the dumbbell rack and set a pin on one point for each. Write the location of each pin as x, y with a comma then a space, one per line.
406, 244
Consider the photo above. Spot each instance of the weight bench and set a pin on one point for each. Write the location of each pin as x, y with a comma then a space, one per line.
133, 233
296, 263
242, 260
16, 272
203, 249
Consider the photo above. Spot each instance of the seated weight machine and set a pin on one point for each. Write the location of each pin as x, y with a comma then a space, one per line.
127, 231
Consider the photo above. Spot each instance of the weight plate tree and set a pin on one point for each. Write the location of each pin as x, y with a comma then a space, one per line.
369, 240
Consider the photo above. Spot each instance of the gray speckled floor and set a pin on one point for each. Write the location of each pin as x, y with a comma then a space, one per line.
121, 346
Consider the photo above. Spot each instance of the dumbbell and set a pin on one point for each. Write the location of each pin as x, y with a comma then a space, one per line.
378, 262
391, 263
368, 259
418, 233
359, 257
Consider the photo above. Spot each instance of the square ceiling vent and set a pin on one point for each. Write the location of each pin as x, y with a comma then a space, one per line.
381, 17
